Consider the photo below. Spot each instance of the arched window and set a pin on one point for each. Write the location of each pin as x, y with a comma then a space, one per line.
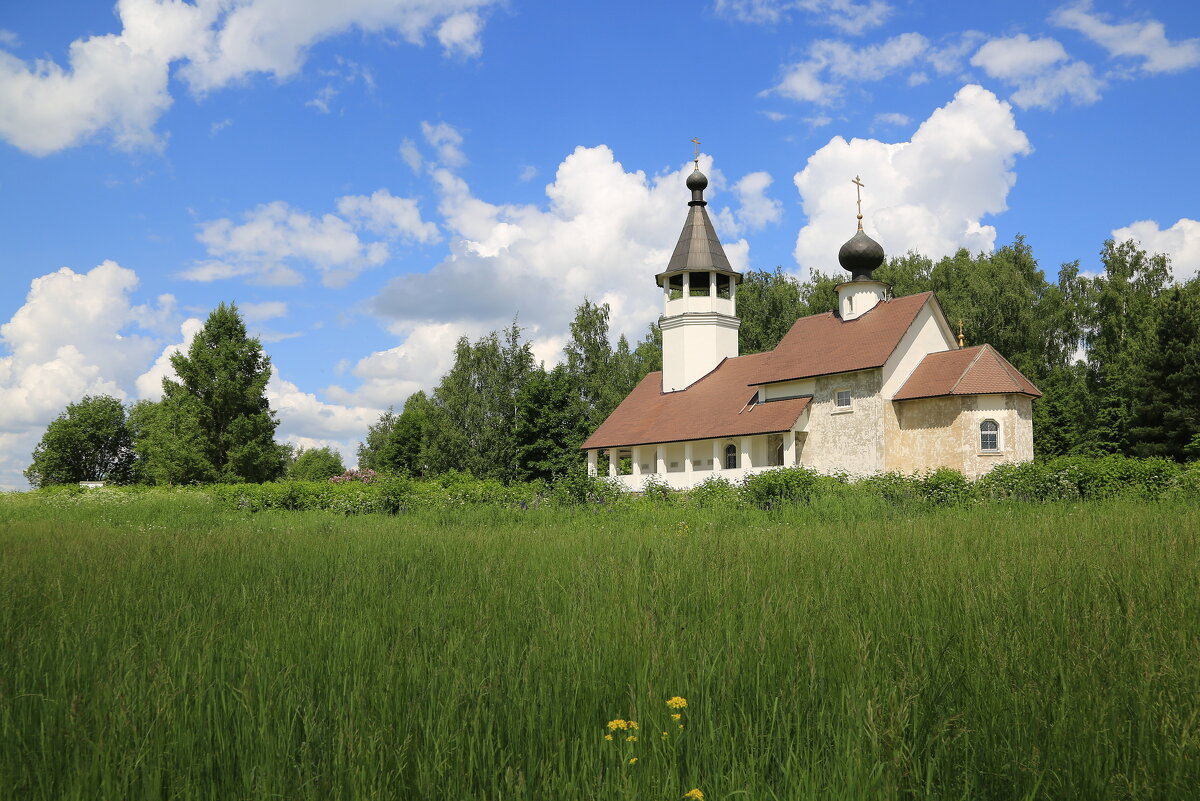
989, 435
730, 457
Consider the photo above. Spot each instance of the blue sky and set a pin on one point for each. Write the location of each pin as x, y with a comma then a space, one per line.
371, 179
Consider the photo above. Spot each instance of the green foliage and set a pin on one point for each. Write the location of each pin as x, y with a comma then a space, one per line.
1081, 478
551, 425
1165, 402
945, 486
315, 464
786, 485
88, 441
715, 492
215, 422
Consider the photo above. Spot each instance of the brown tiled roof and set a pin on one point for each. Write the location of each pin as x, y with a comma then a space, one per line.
970, 371
714, 406
824, 343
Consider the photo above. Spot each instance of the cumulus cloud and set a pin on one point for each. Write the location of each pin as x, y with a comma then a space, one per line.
1181, 242
755, 209
830, 65
1040, 70
603, 234
892, 118
307, 421
274, 238
76, 334
118, 83
929, 194
847, 15
1145, 40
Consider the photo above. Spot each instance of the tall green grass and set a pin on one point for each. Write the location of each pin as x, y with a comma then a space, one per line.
158, 647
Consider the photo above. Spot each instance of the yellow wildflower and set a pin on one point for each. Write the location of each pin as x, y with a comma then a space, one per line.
677, 702
613, 725
676, 716
608, 737
632, 760
631, 739
633, 724
694, 795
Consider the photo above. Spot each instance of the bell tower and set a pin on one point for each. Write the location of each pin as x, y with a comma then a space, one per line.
699, 321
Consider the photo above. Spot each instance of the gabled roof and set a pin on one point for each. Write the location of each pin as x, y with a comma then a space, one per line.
698, 247
969, 371
824, 343
715, 406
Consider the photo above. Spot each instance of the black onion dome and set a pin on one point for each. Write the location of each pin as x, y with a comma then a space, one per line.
697, 181
861, 255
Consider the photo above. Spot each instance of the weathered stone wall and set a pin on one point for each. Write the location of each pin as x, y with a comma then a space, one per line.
845, 441
930, 433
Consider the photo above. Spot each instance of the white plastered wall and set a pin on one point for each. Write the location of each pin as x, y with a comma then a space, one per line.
693, 344
929, 333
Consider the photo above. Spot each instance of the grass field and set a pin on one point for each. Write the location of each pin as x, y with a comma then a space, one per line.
159, 648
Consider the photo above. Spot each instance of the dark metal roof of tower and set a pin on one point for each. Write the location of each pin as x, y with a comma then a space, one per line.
698, 248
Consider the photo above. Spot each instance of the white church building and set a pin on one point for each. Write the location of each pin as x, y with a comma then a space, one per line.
878, 385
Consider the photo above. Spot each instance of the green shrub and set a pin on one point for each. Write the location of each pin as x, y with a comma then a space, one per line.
945, 486
774, 487
715, 492
657, 490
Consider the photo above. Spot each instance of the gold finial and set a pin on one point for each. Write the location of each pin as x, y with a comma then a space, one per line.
960, 333
696, 142
858, 185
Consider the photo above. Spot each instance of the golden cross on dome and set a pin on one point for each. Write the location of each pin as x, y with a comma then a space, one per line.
858, 185
696, 142
960, 332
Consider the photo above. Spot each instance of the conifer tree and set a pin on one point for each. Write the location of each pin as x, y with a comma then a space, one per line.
214, 423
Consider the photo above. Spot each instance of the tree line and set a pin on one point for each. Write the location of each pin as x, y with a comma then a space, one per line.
1116, 354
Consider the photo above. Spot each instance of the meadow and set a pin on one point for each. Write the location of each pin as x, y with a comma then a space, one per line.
163, 645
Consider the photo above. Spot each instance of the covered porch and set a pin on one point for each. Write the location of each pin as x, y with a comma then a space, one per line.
683, 465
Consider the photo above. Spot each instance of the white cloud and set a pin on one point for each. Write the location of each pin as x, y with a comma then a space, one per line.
1181, 242
849, 16
306, 420
447, 141
755, 210
929, 194
9, 39
261, 312
1146, 40
273, 237
603, 235
528, 173
384, 214
217, 127
821, 78
76, 334
775, 116
118, 83
411, 155
892, 118
459, 35
1040, 69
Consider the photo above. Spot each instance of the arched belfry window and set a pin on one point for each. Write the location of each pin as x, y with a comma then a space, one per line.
989, 435
730, 457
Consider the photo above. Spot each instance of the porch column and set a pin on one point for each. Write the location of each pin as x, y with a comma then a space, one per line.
660, 459
612, 461
637, 461
718, 455
593, 455
789, 448
745, 460
712, 286
687, 463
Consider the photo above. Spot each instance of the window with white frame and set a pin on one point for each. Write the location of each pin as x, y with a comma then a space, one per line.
989, 435
841, 400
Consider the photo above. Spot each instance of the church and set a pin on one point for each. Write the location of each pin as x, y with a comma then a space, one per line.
880, 384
